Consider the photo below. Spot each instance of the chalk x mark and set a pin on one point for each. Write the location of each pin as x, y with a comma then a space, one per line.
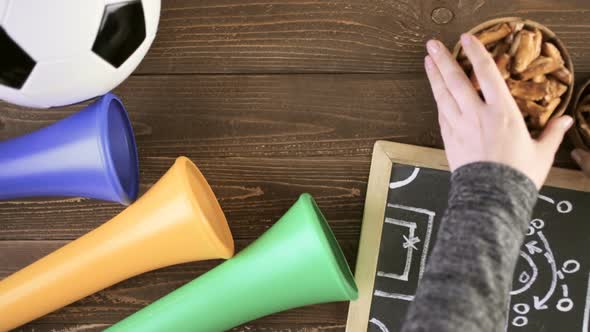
394, 295
532, 279
426, 244
541, 304
405, 182
379, 324
412, 229
586, 323
411, 242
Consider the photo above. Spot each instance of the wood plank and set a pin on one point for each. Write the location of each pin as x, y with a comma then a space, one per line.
360, 36
260, 140
117, 302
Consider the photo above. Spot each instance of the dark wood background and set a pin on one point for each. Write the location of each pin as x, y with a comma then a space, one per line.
270, 99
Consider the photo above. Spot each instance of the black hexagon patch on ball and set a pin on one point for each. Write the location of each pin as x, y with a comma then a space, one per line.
121, 32
15, 64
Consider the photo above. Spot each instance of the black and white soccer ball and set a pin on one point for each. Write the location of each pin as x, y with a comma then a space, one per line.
61, 52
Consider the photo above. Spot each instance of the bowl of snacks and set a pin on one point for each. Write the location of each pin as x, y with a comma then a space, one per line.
535, 64
580, 132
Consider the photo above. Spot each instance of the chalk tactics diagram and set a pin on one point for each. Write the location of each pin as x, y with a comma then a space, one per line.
538, 255
546, 281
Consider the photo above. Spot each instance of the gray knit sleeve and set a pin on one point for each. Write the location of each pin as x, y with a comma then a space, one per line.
468, 277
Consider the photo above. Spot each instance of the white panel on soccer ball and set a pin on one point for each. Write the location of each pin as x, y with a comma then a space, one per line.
61, 28
152, 16
70, 81
16, 97
3, 6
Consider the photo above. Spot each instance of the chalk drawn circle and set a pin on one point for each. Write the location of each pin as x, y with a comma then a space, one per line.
530, 231
522, 308
564, 207
571, 266
565, 305
524, 277
520, 321
538, 223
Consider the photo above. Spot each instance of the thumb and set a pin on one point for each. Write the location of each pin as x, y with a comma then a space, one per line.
553, 134
582, 157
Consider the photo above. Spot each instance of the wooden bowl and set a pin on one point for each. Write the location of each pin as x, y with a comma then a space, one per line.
574, 133
549, 36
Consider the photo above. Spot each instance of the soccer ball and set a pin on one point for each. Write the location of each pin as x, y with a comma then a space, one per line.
61, 52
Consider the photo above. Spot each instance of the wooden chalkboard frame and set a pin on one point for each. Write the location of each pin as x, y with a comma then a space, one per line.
385, 154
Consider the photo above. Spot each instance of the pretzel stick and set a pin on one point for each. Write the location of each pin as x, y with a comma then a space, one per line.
541, 120
541, 66
563, 74
552, 51
516, 26
500, 48
515, 45
525, 54
555, 89
494, 33
527, 90
538, 42
529, 108
503, 64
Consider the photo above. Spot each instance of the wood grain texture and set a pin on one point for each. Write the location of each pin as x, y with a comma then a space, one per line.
271, 99
358, 36
260, 140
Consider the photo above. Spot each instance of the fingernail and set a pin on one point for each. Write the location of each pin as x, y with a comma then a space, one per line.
433, 46
466, 39
576, 155
568, 122
428, 62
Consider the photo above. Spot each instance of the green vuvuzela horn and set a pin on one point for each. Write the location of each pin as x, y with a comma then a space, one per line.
297, 262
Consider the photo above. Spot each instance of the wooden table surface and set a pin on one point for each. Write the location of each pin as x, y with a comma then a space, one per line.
271, 99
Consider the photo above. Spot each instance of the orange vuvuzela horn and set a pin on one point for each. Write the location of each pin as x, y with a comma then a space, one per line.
178, 220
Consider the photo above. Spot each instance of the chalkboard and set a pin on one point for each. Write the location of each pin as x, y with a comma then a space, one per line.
551, 285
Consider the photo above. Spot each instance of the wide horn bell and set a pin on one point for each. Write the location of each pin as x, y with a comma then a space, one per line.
178, 220
91, 153
297, 262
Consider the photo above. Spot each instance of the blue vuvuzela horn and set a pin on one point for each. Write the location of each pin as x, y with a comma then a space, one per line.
89, 154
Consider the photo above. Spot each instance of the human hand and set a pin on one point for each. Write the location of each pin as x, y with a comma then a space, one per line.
492, 130
582, 157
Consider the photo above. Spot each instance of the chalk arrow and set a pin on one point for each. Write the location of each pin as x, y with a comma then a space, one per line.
532, 248
539, 304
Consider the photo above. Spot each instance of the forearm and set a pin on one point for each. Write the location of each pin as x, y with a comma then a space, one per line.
468, 278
